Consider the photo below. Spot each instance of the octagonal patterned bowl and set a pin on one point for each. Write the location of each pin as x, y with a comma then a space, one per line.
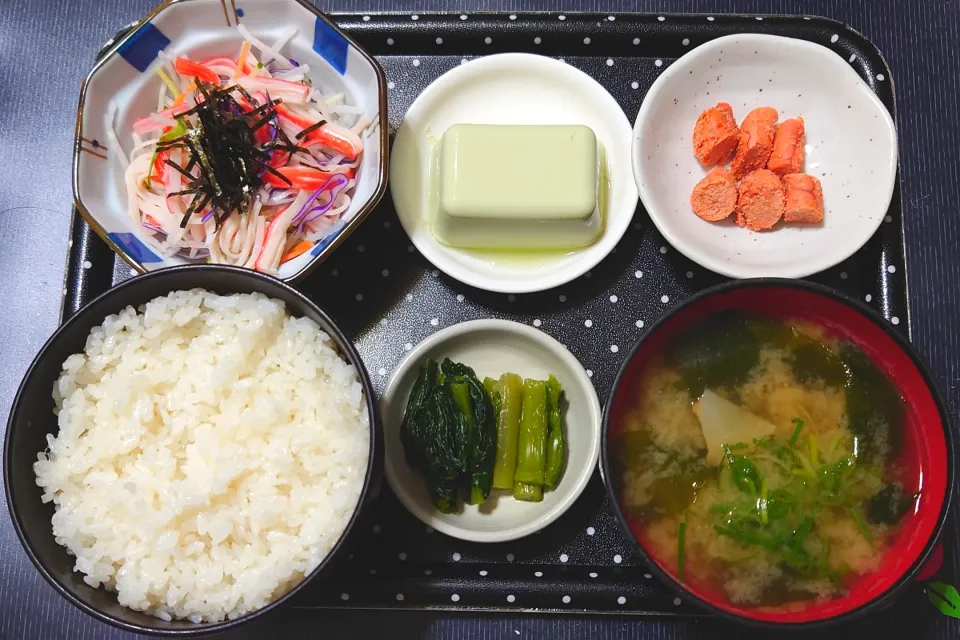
123, 86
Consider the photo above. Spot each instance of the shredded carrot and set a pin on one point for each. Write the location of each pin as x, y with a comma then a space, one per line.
183, 96
241, 61
296, 250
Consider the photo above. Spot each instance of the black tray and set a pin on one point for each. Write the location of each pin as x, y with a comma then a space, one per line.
387, 297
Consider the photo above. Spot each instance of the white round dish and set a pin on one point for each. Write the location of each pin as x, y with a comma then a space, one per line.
510, 88
851, 146
491, 348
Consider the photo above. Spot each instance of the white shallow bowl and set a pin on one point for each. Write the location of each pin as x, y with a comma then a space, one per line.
491, 348
851, 147
126, 76
510, 88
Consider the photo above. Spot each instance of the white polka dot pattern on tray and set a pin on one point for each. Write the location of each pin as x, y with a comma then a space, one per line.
561, 320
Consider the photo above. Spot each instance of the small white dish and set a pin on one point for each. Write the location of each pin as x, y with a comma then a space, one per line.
510, 88
491, 348
126, 78
851, 147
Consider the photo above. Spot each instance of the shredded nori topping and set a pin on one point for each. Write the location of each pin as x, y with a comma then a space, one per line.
220, 141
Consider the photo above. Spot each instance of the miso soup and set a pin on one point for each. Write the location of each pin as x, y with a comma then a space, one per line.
760, 459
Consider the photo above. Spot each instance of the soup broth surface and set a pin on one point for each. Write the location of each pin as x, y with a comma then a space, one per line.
760, 458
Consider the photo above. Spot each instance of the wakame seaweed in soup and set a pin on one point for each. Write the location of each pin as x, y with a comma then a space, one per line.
759, 457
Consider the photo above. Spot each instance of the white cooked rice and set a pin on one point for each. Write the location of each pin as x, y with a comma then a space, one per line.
212, 450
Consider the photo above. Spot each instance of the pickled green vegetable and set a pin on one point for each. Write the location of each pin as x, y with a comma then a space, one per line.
532, 448
555, 444
473, 402
508, 430
422, 387
528, 492
440, 438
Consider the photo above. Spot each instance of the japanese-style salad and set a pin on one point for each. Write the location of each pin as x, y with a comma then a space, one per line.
244, 162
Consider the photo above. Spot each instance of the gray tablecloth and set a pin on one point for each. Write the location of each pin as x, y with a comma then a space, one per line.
46, 47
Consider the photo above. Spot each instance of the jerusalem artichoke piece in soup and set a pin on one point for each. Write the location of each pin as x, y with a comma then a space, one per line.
760, 458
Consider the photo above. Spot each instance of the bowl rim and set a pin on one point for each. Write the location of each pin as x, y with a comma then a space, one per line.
126, 33
902, 343
342, 343
412, 359
707, 260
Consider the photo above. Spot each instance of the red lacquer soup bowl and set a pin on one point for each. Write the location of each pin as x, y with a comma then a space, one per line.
927, 446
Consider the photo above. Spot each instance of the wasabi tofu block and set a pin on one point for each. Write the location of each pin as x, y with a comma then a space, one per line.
518, 187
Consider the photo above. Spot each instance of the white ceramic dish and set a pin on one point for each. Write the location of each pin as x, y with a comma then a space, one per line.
491, 348
510, 88
851, 147
126, 76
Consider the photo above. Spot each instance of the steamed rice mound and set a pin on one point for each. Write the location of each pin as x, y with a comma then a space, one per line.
211, 452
